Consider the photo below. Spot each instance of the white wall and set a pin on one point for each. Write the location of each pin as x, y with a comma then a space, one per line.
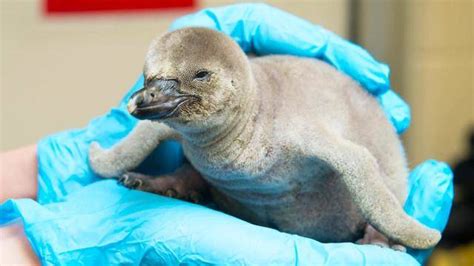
430, 47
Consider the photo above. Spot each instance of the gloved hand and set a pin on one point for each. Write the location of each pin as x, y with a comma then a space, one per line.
104, 223
107, 224
262, 29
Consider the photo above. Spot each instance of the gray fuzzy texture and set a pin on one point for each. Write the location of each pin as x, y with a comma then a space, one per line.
283, 141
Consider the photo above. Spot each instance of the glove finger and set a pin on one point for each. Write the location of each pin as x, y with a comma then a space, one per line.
396, 110
430, 198
255, 29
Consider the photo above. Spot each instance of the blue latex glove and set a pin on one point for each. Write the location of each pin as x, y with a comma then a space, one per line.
107, 224
262, 29
84, 223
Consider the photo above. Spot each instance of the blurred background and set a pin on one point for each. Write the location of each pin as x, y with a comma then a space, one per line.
60, 69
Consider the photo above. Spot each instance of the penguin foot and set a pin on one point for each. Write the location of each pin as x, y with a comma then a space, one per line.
374, 237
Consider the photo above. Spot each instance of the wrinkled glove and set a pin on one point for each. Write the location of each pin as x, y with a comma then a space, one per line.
80, 221
263, 30
107, 224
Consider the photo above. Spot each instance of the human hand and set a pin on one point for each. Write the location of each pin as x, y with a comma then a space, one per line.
105, 223
262, 29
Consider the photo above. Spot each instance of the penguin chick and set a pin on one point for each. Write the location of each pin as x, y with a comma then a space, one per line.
282, 141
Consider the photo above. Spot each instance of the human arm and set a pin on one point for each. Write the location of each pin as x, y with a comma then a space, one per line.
18, 171
18, 179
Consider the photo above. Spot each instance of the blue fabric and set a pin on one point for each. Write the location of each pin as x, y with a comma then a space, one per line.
82, 220
262, 29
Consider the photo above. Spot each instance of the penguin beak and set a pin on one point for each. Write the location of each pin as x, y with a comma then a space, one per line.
154, 104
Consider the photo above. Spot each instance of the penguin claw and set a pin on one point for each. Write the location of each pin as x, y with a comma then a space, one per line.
399, 247
130, 181
195, 197
122, 179
171, 193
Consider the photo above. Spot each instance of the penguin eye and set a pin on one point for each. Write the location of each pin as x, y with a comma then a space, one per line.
202, 75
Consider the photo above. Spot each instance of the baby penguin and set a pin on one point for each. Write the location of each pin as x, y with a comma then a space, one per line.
281, 141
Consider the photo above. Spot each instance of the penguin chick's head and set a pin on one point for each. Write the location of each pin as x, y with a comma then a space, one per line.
191, 75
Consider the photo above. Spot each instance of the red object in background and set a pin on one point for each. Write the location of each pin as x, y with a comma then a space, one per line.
73, 6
